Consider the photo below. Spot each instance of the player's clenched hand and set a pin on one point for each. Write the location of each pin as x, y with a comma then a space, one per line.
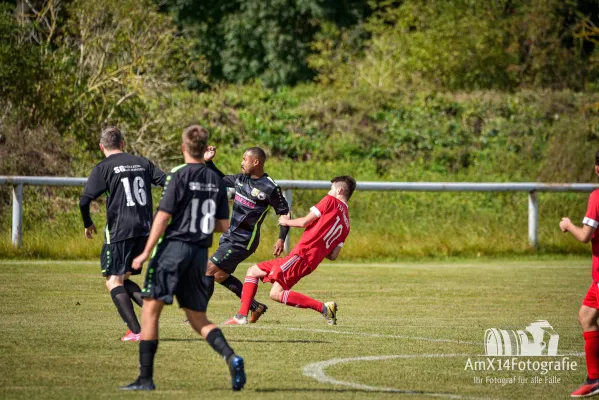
279, 246
283, 220
564, 224
209, 153
88, 231
139, 261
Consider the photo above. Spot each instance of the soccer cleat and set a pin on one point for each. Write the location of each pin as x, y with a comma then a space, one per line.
138, 385
258, 313
237, 320
329, 311
588, 389
237, 371
131, 337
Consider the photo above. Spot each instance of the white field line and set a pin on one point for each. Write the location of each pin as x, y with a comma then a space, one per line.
316, 371
375, 335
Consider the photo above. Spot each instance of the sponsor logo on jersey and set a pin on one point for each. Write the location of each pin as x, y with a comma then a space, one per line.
128, 168
245, 201
257, 193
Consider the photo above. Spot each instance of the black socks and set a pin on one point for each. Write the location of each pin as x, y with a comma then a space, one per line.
134, 292
217, 341
235, 285
123, 304
147, 351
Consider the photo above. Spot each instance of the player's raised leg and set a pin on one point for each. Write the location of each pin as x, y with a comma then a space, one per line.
215, 338
228, 259
123, 304
587, 316
295, 299
150, 314
250, 287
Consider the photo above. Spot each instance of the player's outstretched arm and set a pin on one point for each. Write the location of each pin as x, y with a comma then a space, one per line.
334, 253
302, 222
583, 234
159, 225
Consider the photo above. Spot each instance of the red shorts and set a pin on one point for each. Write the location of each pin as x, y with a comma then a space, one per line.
287, 271
592, 297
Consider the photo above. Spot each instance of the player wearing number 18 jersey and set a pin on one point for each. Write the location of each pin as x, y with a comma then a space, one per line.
327, 227
126, 180
193, 206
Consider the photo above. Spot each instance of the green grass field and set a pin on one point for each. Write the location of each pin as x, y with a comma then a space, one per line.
60, 333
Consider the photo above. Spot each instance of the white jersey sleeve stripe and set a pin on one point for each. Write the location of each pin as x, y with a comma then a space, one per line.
590, 222
315, 211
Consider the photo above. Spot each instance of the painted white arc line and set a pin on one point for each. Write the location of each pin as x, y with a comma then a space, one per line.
316, 371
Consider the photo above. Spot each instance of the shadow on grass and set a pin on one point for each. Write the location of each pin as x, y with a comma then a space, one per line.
249, 340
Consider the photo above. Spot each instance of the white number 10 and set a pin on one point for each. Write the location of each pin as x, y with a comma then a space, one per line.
333, 233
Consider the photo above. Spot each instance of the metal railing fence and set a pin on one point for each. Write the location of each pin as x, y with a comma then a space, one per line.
17, 182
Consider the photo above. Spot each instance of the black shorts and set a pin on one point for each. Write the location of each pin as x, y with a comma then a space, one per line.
116, 258
179, 269
228, 256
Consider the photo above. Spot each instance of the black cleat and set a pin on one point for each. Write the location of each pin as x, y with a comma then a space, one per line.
138, 385
237, 373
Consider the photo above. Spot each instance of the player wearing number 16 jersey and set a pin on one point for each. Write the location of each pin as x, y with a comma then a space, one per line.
126, 180
327, 227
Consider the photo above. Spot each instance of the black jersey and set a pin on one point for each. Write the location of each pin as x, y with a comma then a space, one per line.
127, 182
253, 198
195, 196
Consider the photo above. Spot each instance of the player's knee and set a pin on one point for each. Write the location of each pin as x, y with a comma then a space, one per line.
275, 294
254, 271
587, 320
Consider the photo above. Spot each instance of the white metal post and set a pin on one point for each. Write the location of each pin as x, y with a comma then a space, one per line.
17, 215
288, 197
533, 219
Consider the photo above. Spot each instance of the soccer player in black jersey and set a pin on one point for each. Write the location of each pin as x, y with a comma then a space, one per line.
193, 206
255, 193
126, 180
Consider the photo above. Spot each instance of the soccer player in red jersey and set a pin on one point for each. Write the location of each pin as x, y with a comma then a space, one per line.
589, 311
327, 227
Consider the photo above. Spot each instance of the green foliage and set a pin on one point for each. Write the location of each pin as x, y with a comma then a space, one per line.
257, 39
463, 44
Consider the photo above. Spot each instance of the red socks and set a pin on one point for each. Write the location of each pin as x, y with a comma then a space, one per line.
299, 300
591, 350
250, 287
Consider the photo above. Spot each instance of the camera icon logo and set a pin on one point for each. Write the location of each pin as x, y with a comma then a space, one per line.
537, 339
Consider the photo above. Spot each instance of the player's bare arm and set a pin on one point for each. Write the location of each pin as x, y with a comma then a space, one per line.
583, 234
334, 253
159, 225
302, 222
283, 232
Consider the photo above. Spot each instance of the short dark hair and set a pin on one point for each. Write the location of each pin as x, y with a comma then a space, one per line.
195, 139
258, 153
347, 182
112, 138
597, 158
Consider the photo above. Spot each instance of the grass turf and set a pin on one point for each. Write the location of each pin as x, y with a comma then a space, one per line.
60, 332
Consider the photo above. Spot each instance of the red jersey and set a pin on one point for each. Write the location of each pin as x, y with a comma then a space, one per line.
591, 218
327, 232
